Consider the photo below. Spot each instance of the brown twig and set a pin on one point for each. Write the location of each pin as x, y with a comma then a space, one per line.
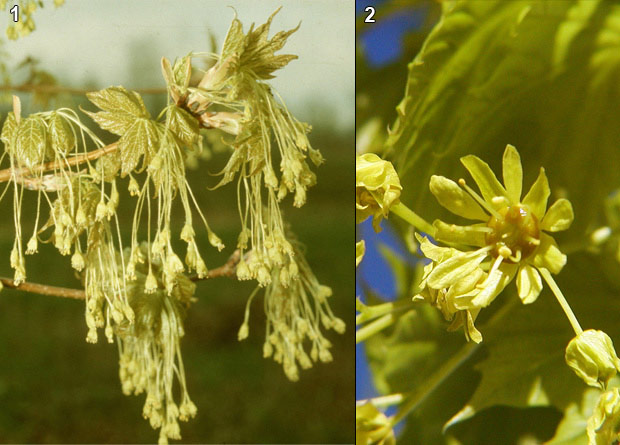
45, 289
225, 270
5, 175
228, 269
30, 88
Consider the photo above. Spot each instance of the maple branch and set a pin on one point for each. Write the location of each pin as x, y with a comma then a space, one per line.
5, 175
44, 289
225, 270
52, 89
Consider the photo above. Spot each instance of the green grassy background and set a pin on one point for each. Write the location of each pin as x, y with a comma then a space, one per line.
54, 387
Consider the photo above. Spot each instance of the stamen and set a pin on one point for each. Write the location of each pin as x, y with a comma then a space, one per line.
479, 199
505, 251
516, 258
532, 240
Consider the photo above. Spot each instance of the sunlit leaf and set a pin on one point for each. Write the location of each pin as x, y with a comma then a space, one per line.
120, 109
61, 136
141, 139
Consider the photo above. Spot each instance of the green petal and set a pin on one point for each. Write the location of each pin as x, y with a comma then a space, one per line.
451, 233
487, 182
454, 269
548, 255
559, 216
529, 284
536, 198
495, 284
455, 199
513, 173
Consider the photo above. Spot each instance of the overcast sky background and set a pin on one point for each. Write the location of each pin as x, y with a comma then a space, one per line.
105, 42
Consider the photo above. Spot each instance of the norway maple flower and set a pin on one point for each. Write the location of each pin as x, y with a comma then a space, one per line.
508, 242
377, 188
454, 301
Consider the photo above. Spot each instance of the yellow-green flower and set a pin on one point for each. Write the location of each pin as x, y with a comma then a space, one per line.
453, 301
604, 425
592, 356
377, 188
360, 249
510, 239
372, 427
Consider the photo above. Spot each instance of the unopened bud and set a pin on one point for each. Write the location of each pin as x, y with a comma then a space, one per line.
592, 356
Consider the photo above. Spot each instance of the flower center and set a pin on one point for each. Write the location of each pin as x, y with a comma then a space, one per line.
515, 233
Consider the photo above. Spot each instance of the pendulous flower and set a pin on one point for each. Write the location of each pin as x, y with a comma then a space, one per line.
510, 239
377, 188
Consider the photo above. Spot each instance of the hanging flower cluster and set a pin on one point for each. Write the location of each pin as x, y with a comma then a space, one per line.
139, 294
296, 305
234, 97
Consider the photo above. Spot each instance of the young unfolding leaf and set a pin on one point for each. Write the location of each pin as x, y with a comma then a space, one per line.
61, 136
141, 138
183, 125
120, 109
255, 52
30, 142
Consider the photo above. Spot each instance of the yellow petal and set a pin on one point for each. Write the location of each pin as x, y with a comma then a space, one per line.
513, 173
455, 199
536, 198
529, 284
487, 182
471, 333
459, 291
451, 233
360, 249
548, 255
559, 216
495, 284
455, 268
432, 251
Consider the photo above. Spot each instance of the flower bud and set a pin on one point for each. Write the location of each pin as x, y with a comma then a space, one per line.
32, 245
133, 188
377, 188
592, 356
604, 425
150, 285
77, 261
215, 241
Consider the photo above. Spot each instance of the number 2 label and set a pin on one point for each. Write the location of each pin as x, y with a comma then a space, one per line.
371, 12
